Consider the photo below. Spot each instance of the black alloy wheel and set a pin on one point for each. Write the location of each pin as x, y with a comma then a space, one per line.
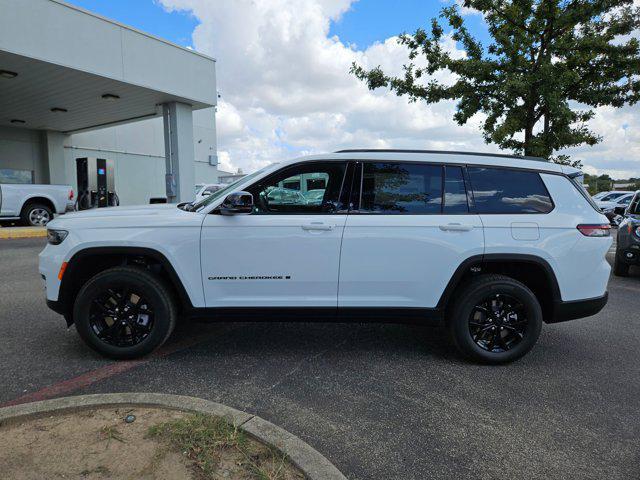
125, 312
494, 319
122, 318
498, 323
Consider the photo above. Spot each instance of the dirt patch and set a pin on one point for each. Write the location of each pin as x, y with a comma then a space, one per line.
158, 444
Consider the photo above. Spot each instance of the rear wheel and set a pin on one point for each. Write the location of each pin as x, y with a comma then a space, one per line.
124, 312
36, 215
497, 319
620, 269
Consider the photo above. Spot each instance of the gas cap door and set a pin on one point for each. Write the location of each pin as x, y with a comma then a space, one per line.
525, 231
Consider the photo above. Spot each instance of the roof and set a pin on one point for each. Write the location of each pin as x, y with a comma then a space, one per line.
448, 152
67, 59
461, 158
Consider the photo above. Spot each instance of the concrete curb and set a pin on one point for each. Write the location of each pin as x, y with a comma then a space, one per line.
7, 233
313, 464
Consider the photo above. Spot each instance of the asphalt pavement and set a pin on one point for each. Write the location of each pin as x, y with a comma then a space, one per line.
379, 401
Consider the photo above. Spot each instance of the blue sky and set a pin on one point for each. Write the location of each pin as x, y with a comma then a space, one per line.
368, 21
145, 15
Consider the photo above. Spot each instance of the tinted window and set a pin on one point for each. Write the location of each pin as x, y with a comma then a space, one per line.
455, 193
501, 190
287, 191
401, 188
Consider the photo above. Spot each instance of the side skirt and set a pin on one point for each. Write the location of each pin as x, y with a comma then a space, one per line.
428, 316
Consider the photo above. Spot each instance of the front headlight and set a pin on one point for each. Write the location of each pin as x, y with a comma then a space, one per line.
55, 237
637, 230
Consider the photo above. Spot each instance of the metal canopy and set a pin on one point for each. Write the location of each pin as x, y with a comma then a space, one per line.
41, 86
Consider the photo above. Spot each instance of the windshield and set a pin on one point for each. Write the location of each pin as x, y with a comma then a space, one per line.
228, 189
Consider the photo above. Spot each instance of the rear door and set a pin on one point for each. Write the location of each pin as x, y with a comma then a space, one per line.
408, 231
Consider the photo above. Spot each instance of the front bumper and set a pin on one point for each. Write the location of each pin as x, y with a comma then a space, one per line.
564, 311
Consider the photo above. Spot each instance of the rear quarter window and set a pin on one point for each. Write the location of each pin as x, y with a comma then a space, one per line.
503, 190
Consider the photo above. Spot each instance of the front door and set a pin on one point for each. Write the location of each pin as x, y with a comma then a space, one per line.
287, 252
408, 235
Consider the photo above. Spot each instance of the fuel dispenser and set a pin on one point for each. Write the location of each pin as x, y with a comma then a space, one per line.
96, 185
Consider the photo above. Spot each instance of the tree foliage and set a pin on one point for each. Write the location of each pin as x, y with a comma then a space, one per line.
548, 64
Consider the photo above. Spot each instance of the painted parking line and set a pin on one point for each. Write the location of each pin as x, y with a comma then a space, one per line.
93, 376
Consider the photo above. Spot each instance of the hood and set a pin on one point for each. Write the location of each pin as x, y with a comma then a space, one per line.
156, 209
134, 216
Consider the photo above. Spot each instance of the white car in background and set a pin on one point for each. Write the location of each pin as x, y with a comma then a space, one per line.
618, 201
203, 190
609, 196
34, 205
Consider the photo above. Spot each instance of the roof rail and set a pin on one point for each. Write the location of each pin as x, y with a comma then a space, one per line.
444, 152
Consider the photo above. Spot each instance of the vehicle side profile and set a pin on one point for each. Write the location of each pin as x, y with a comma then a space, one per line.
490, 246
628, 239
34, 205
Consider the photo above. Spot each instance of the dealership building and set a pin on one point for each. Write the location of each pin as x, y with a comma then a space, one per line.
76, 85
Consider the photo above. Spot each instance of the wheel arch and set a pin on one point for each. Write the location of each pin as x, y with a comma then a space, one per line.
41, 199
88, 262
533, 271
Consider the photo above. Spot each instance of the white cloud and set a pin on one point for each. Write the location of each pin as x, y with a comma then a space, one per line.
286, 90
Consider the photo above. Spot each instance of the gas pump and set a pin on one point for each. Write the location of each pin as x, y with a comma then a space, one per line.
96, 185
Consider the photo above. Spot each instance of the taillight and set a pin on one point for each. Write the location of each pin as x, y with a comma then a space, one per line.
603, 230
71, 194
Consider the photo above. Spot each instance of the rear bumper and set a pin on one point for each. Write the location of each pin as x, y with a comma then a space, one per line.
564, 311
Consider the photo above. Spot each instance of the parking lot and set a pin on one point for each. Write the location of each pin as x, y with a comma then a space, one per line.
380, 401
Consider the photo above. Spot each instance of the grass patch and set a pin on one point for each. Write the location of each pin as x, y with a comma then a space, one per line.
220, 449
111, 432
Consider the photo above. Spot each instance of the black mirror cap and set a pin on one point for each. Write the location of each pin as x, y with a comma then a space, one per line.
237, 202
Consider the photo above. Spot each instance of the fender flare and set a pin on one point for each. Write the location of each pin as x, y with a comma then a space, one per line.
485, 259
73, 263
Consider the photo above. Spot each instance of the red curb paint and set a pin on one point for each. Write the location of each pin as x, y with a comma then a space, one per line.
93, 376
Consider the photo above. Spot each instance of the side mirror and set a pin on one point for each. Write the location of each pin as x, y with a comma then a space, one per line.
619, 210
236, 203
205, 193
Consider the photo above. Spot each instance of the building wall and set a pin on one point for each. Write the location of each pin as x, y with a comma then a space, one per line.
22, 149
137, 150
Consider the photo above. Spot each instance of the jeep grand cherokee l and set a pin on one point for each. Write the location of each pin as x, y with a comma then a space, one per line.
491, 246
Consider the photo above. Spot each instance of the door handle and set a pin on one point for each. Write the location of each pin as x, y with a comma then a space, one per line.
317, 226
456, 227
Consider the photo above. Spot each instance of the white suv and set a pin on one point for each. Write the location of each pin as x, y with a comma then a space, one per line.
488, 245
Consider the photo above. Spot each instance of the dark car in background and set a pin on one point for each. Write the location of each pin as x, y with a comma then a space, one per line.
628, 240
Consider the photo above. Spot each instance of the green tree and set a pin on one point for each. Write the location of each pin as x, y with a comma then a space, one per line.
549, 63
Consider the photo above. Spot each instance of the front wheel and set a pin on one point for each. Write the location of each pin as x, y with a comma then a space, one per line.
497, 319
124, 312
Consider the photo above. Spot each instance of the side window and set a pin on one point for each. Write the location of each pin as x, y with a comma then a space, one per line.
625, 201
502, 190
306, 188
455, 193
401, 188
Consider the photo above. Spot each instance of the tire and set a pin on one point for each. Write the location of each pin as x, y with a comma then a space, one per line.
508, 336
620, 269
154, 313
36, 215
